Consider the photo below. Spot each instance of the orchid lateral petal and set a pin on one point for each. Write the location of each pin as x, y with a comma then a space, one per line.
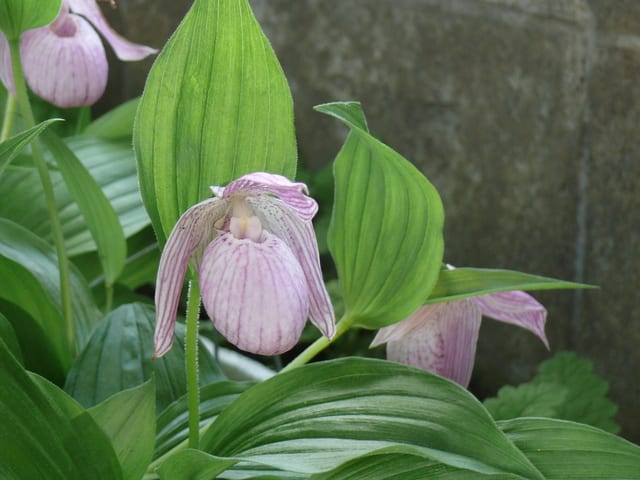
66, 66
191, 233
517, 308
6, 71
123, 48
443, 340
254, 292
291, 193
283, 221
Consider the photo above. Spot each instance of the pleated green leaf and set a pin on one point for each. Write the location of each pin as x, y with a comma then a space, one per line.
316, 417
387, 464
561, 449
29, 269
14, 145
8, 335
17, 16
119, 356
471, 282
173, 426
110, 163
129, 420
193, 465
42, 435
99, 215
386, 230
216, 106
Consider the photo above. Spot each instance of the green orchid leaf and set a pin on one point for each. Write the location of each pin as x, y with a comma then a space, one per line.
316, 417
173, 426
119, 356
471, 282
18, 16
116, 124
30, 269
11, 147
44, 435
388, 464
129, 420
99, 215
193, 465
561, 449
211, 114
38, 352
110, 163
8, 335
386, 231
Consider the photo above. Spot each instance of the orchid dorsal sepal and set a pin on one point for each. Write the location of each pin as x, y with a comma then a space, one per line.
256, 256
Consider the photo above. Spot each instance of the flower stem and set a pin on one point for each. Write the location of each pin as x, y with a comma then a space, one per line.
47, 187
9, 114
320, 344
191, 347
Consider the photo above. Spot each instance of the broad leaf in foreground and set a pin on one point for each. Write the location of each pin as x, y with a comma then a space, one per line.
319, 416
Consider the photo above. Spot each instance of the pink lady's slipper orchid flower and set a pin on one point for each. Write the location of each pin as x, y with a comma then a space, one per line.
65, 62
442, 337
256, 255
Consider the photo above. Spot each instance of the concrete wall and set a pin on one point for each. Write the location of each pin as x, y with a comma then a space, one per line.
526, 116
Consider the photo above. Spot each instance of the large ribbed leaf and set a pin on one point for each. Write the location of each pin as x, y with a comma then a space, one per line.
110, 163
173, 427
119, 356
29, 269
14, 145
98, 213
471, 282
8, 335
129, 420
561, 449
17, 16
386, 464
316, 417
386, 230
44, 435
216, 106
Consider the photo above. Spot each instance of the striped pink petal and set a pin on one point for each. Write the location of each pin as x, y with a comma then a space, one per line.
439, 338
284, 222
192, 233
6, 71
517, 308
291, 193
254, 292
123, 48
65, 62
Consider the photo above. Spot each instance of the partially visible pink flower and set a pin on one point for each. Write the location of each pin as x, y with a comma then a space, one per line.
256, 255
442, 337
65, 62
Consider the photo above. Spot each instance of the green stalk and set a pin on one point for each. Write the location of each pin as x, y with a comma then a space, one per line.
191, 347
320, 344
47, 188
9, 115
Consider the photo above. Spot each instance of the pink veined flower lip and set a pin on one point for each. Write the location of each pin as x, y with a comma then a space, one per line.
442, 337
256, 255
65, 62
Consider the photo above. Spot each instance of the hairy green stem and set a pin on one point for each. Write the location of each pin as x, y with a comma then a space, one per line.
191, 347
320, 344
47, 188
9, 114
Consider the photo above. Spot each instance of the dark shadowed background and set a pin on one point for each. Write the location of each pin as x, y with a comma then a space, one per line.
525, 114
